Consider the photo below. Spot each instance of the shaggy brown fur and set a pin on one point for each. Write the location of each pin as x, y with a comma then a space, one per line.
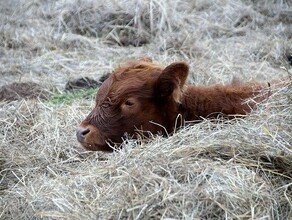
143, 96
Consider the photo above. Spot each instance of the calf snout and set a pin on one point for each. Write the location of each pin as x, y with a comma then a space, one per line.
81, 134
91, 139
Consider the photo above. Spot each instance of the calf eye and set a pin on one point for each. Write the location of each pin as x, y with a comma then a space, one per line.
129, 103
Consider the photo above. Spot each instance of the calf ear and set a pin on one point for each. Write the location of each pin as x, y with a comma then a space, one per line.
172, 80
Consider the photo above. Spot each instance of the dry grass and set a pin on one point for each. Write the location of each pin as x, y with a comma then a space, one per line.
238, 169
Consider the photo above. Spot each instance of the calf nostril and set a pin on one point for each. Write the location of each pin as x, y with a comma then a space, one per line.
81, 133
85, 131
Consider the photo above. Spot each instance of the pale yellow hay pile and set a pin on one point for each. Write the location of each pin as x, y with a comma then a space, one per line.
239, 169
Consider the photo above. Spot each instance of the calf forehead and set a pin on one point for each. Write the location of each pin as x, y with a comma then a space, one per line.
132, 85
137, 69
136, 79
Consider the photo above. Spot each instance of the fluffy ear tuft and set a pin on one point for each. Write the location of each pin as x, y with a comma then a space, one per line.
172, 80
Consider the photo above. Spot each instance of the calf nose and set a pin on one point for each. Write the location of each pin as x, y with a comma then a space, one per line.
81, 133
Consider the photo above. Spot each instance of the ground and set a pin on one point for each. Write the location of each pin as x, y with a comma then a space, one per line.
238, 169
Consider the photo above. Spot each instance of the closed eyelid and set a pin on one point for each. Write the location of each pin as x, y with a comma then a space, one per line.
130, 103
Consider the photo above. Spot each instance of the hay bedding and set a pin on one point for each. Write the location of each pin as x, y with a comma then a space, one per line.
238, 169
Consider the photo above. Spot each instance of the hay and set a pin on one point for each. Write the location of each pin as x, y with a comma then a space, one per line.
238, 169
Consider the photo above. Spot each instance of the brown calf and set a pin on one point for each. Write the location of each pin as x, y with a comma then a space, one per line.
142, 96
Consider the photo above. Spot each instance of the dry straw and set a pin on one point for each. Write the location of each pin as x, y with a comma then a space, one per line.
238, 169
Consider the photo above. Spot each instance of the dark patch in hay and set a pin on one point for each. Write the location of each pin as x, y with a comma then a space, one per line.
115, 27
285, 16
243, 21
289, 57
84, 83
104, 77
81, 83
22, 90
124, 27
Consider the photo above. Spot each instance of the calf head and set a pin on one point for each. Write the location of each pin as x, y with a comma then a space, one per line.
139, 96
